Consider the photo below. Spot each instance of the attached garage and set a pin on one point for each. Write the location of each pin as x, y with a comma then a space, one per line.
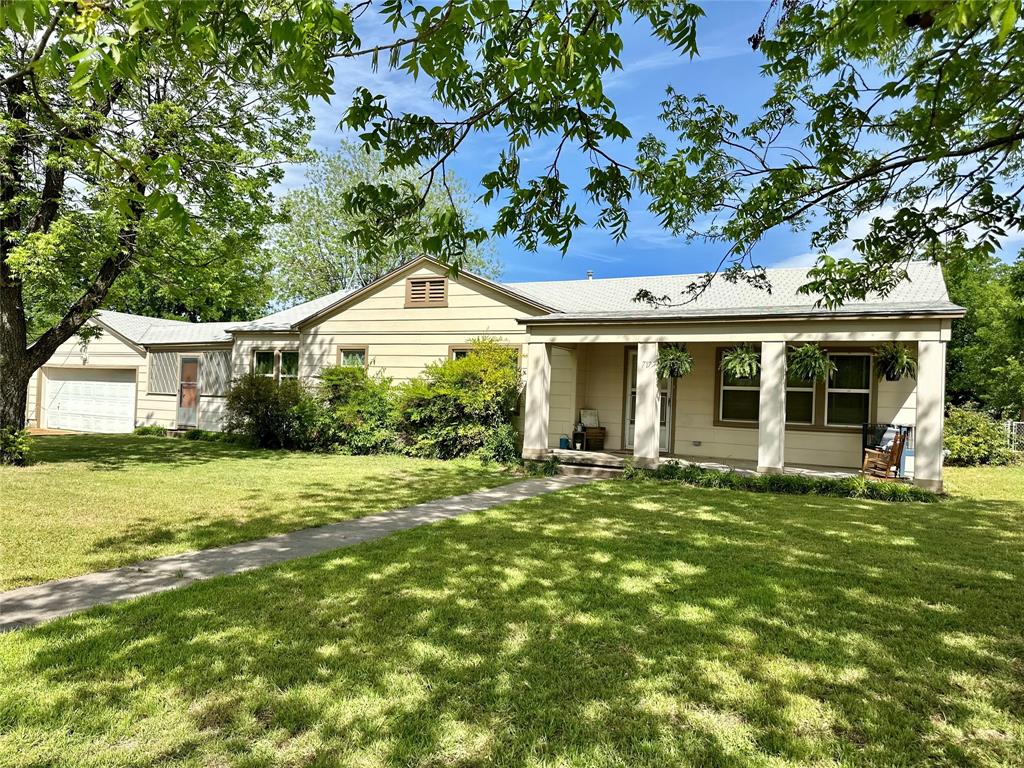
89, 399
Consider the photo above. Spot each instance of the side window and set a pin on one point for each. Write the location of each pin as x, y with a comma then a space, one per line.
289, 364
263, 363
352, 356
740, 398
848, 391
799, 401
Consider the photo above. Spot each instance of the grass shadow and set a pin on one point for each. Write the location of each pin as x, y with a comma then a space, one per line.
641, 625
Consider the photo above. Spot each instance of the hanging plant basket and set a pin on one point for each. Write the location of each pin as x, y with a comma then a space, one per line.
809, 362
674, 361
742, 362
894, 361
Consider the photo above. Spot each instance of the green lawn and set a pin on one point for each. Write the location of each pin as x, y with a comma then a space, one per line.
612, 625
98, 501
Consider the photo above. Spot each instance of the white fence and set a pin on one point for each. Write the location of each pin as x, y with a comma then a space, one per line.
1015, 435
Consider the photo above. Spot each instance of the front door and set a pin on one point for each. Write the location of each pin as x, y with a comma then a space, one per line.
188, 393
664, 408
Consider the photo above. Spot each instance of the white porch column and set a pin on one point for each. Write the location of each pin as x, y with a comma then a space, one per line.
647, 431
771, 425
538, 400
931, 395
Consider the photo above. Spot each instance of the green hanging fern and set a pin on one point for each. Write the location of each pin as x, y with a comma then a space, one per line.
893, 361
809, 362
674, 361
741, 362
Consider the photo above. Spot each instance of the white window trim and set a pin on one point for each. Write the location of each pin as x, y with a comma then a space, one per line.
847, 391
814, 403
281, 375
723, 388
273, 373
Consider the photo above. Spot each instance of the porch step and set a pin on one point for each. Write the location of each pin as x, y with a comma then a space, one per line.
576, 470
579, 470
588, 458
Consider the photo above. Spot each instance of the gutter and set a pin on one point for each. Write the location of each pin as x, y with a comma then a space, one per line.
885, 314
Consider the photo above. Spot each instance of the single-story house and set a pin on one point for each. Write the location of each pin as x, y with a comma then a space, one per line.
586, 344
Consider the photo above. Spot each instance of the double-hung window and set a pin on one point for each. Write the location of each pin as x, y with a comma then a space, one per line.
276, 364
799, 401
741, 398
289, 364
264, 363
848, 391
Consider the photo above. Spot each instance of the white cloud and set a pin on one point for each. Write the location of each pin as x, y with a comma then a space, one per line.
859, 228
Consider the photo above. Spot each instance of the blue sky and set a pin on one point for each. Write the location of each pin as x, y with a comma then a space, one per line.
726, 70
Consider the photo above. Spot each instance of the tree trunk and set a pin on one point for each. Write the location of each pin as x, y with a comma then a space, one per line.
15, 367
13, 396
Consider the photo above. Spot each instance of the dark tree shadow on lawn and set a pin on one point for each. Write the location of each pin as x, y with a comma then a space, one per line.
612, 625
315, 504
113, 452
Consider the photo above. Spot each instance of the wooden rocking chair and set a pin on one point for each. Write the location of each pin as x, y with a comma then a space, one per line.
886, 462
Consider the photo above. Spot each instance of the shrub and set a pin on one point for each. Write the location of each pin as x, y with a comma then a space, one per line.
15, 447
546, 468
501, 445
453, 407
360, 408
973, 437
150, 430
851, 487
206, 436
264, 411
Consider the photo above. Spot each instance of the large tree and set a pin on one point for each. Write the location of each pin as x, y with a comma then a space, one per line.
315, 251
119, 119
198, 275
986, 353
909, 115
146, 109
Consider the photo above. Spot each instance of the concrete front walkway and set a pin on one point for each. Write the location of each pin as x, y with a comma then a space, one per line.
31, 605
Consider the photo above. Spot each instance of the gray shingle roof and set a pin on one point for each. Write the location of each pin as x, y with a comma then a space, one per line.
155, 330
600, 300
286, 318
612, 298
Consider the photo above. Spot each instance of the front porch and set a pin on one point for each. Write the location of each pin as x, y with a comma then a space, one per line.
766, 426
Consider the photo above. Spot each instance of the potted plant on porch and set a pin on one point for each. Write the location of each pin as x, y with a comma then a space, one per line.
893, 361
741, 362
809, 362
674, 361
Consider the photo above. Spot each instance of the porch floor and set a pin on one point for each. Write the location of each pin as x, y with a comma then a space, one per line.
617, 460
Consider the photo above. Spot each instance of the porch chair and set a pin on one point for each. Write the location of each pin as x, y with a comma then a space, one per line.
884, 462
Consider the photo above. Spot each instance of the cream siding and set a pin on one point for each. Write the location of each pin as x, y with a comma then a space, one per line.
402, 340
104, 351
602, 370
162, 409
600, 384
248, 343
563, 412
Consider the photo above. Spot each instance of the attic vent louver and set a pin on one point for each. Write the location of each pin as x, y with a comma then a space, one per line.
426, 292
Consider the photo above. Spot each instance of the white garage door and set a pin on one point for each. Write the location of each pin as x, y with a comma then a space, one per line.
89, 400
